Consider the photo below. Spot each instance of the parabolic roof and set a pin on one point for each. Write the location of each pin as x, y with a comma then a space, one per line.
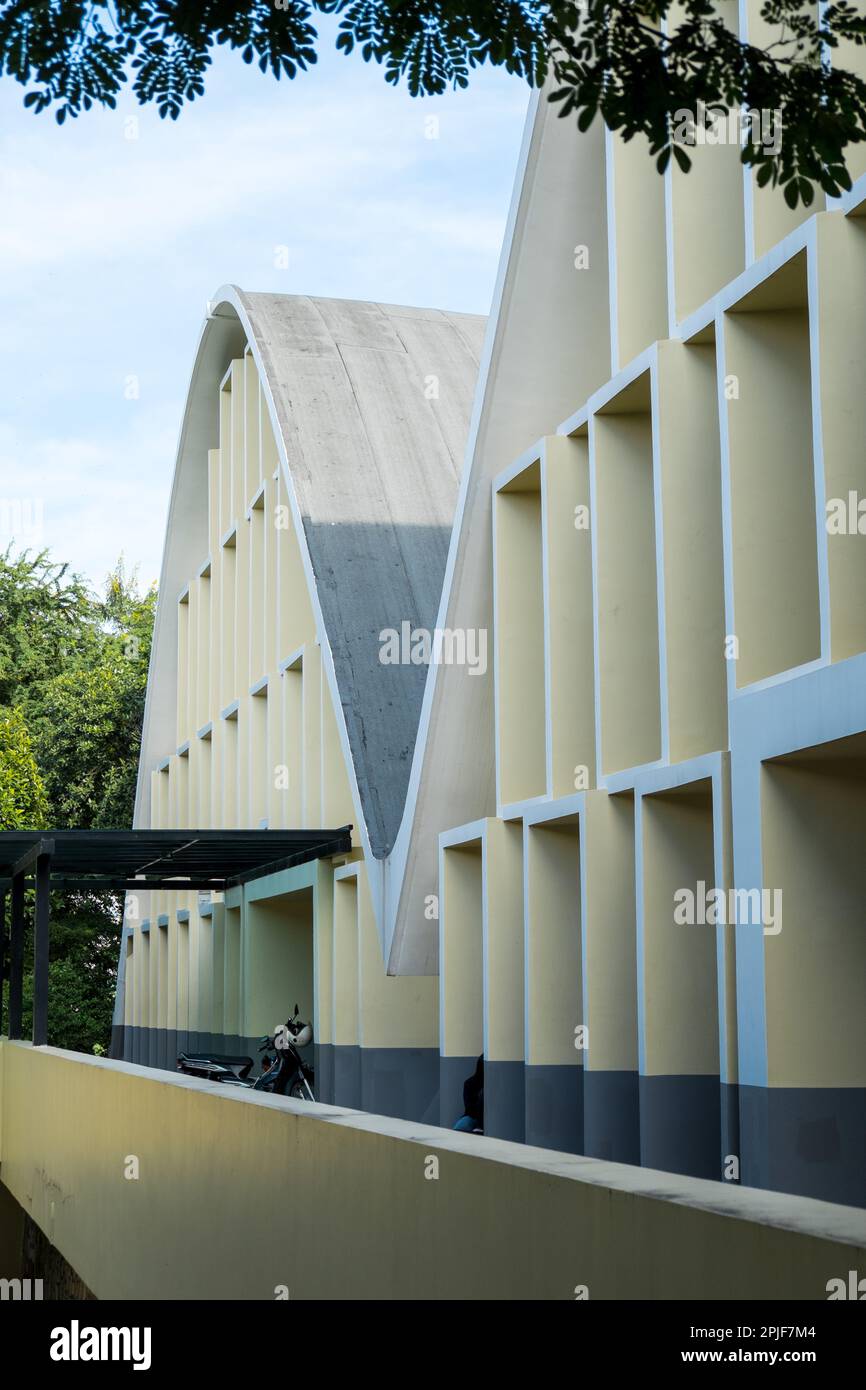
373, 403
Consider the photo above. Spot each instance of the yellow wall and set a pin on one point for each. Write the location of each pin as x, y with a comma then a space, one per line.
200, 1220
277, 758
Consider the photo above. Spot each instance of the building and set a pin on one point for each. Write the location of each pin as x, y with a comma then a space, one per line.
612, 835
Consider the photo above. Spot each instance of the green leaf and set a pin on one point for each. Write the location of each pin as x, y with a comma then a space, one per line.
764, 175
72, 57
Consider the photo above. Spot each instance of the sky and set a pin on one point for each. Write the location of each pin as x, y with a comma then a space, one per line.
116, 229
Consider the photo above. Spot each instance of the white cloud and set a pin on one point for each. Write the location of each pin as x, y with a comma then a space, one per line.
87, 500
111, 248
112, 197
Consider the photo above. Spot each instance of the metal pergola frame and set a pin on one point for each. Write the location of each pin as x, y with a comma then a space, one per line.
119, 860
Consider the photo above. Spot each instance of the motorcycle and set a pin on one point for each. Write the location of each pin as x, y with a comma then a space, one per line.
288, 1039
284, 1071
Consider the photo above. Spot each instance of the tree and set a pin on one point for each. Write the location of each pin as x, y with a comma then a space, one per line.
82, 973
23, 803
75, 665
636, 63
46, 622
87, 726
73, 677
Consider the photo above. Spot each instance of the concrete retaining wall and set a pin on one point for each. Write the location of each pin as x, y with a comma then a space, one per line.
238, 1194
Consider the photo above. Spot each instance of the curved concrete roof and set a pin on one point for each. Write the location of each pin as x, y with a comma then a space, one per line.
371, 406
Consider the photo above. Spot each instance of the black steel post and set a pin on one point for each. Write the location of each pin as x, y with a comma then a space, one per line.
41, 935
16, 956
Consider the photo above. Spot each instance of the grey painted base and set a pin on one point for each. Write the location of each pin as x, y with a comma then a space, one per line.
611, 1115
323, 1062
808, 1141
402, 1082
554, 1108
167, 1049
159, 1047
730, 1110
130, 1044
347, 1076
142, 1046
680, 1125
453, 1071
504, 1100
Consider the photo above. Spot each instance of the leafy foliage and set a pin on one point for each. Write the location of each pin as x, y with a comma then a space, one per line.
43, 624
75, 665
434, 46
73, 676
82, 974
636, 64
623, 61
23, 803
88, 723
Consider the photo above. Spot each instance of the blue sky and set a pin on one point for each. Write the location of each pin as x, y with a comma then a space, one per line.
113, 237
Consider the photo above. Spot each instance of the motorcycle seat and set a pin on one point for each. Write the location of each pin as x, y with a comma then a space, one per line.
216, 1059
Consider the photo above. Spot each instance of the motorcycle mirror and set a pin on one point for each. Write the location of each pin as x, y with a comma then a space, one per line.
296, 1011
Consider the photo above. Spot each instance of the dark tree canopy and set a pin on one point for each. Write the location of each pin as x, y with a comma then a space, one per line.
73, 677
635, 64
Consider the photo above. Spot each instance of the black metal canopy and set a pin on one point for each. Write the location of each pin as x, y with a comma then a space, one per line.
119, 859
105, 860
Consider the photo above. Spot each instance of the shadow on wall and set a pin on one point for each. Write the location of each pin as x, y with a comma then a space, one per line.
374, 580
